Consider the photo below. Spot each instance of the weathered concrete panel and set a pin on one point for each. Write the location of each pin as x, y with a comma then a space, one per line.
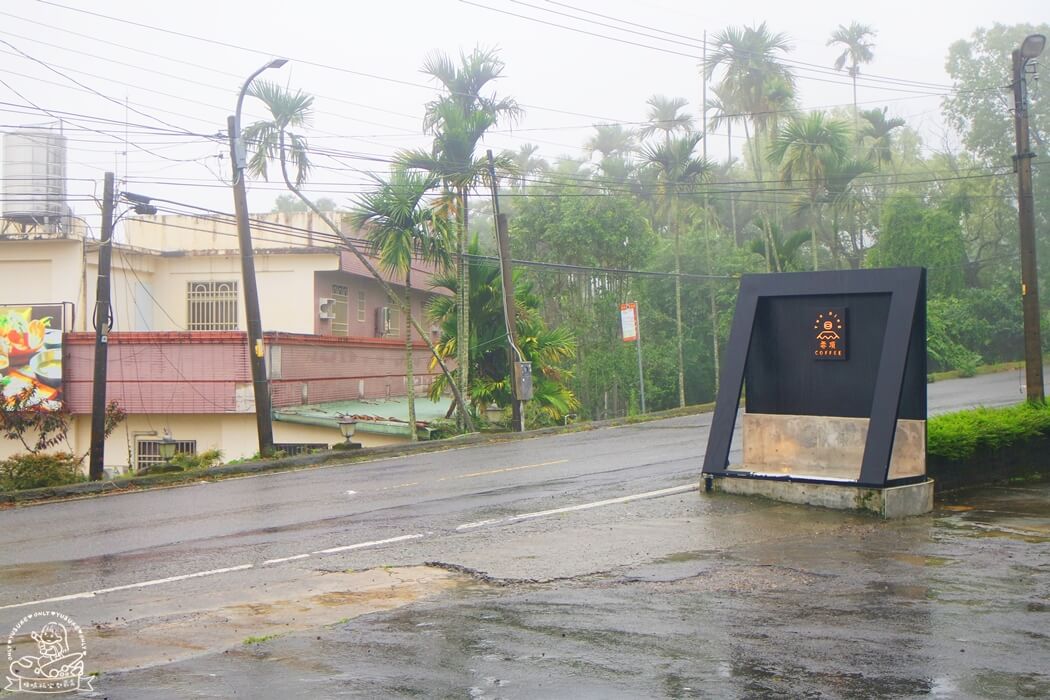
825, 447
891, 502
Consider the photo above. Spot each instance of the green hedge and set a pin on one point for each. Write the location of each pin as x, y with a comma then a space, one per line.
31, 471
959, 436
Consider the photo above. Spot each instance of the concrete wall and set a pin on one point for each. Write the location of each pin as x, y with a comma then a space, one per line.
825, 447
42, 272
235, 435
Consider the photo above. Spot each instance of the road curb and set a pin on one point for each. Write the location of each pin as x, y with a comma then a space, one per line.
329, 458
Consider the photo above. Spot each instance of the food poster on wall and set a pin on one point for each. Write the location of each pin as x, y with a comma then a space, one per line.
31, 357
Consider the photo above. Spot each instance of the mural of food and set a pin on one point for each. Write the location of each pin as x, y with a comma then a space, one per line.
31, 357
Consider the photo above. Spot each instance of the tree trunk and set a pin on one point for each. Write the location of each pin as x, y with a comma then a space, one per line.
678, 299
409, 359
463, 294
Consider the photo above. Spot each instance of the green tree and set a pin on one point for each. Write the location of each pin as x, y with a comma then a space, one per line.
666, 118
677, 168
856, 44
547, 349
458, 118
273, 141
914, 235
982, 113
401, 227
611, 140
290, 204
806, 149
753, 79
879, 130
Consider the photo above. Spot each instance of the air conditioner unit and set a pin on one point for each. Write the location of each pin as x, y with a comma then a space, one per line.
325, 308
382, 321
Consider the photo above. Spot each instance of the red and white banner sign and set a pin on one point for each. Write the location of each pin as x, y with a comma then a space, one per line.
629, 321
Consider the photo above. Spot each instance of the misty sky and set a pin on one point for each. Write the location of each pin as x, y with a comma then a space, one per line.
362, 60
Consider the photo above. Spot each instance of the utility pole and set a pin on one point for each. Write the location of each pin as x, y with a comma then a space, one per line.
102, 321
253, 318
1033, 351
517, 360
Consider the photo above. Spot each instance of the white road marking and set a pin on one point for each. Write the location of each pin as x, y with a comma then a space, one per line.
350, 493
400, 486
362, 545
582, 506
129, 586
284, 559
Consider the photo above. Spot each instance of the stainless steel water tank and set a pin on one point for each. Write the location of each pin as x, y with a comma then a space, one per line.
34, 175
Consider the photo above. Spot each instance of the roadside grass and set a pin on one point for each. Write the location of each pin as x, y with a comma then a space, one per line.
961, 435
982, 369
259, 640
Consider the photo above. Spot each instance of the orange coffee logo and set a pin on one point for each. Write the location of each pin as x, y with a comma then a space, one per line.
829, 340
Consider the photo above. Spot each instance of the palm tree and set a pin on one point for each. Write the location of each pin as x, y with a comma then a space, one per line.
288, 110
272, 139
458, 118
677, 168
856, 42
783, 253
664, 117
844, 194
401, 226
880, 130
610, 140
546, 348
525, 164
806, 149
753, 79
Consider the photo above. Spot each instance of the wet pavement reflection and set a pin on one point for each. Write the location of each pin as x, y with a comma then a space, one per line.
954, 604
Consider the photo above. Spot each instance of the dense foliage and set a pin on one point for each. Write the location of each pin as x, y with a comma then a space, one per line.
961, 435
646, 217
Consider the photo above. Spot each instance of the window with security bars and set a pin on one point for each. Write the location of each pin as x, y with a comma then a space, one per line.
147, 452
212, 306
341, 322
299, 448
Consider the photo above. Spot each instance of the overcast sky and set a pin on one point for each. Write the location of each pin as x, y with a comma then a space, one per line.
362, 62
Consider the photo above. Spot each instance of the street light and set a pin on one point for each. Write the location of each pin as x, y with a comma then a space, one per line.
253, 320
347, 426
1031, 47
166, 447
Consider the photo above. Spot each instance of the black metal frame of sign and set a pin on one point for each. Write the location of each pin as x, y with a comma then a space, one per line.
872, 322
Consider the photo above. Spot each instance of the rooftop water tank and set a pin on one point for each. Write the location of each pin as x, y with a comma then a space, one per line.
34, 176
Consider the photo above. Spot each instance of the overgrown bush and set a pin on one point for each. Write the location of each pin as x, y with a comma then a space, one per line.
37, 470
208, 458
960, 435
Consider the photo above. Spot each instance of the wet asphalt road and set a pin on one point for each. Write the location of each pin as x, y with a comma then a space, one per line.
672, 596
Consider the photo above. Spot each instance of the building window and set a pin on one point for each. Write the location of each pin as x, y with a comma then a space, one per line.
361, 306
212, 306
341, 322
299, 448
147, 452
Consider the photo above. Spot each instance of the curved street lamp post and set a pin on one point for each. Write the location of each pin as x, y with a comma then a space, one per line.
253, 319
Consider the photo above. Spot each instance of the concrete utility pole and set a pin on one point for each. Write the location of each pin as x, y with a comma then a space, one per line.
102, 319
1033, 352
517, 360
253, 317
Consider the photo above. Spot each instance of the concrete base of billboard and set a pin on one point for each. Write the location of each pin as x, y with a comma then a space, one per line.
889, 502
